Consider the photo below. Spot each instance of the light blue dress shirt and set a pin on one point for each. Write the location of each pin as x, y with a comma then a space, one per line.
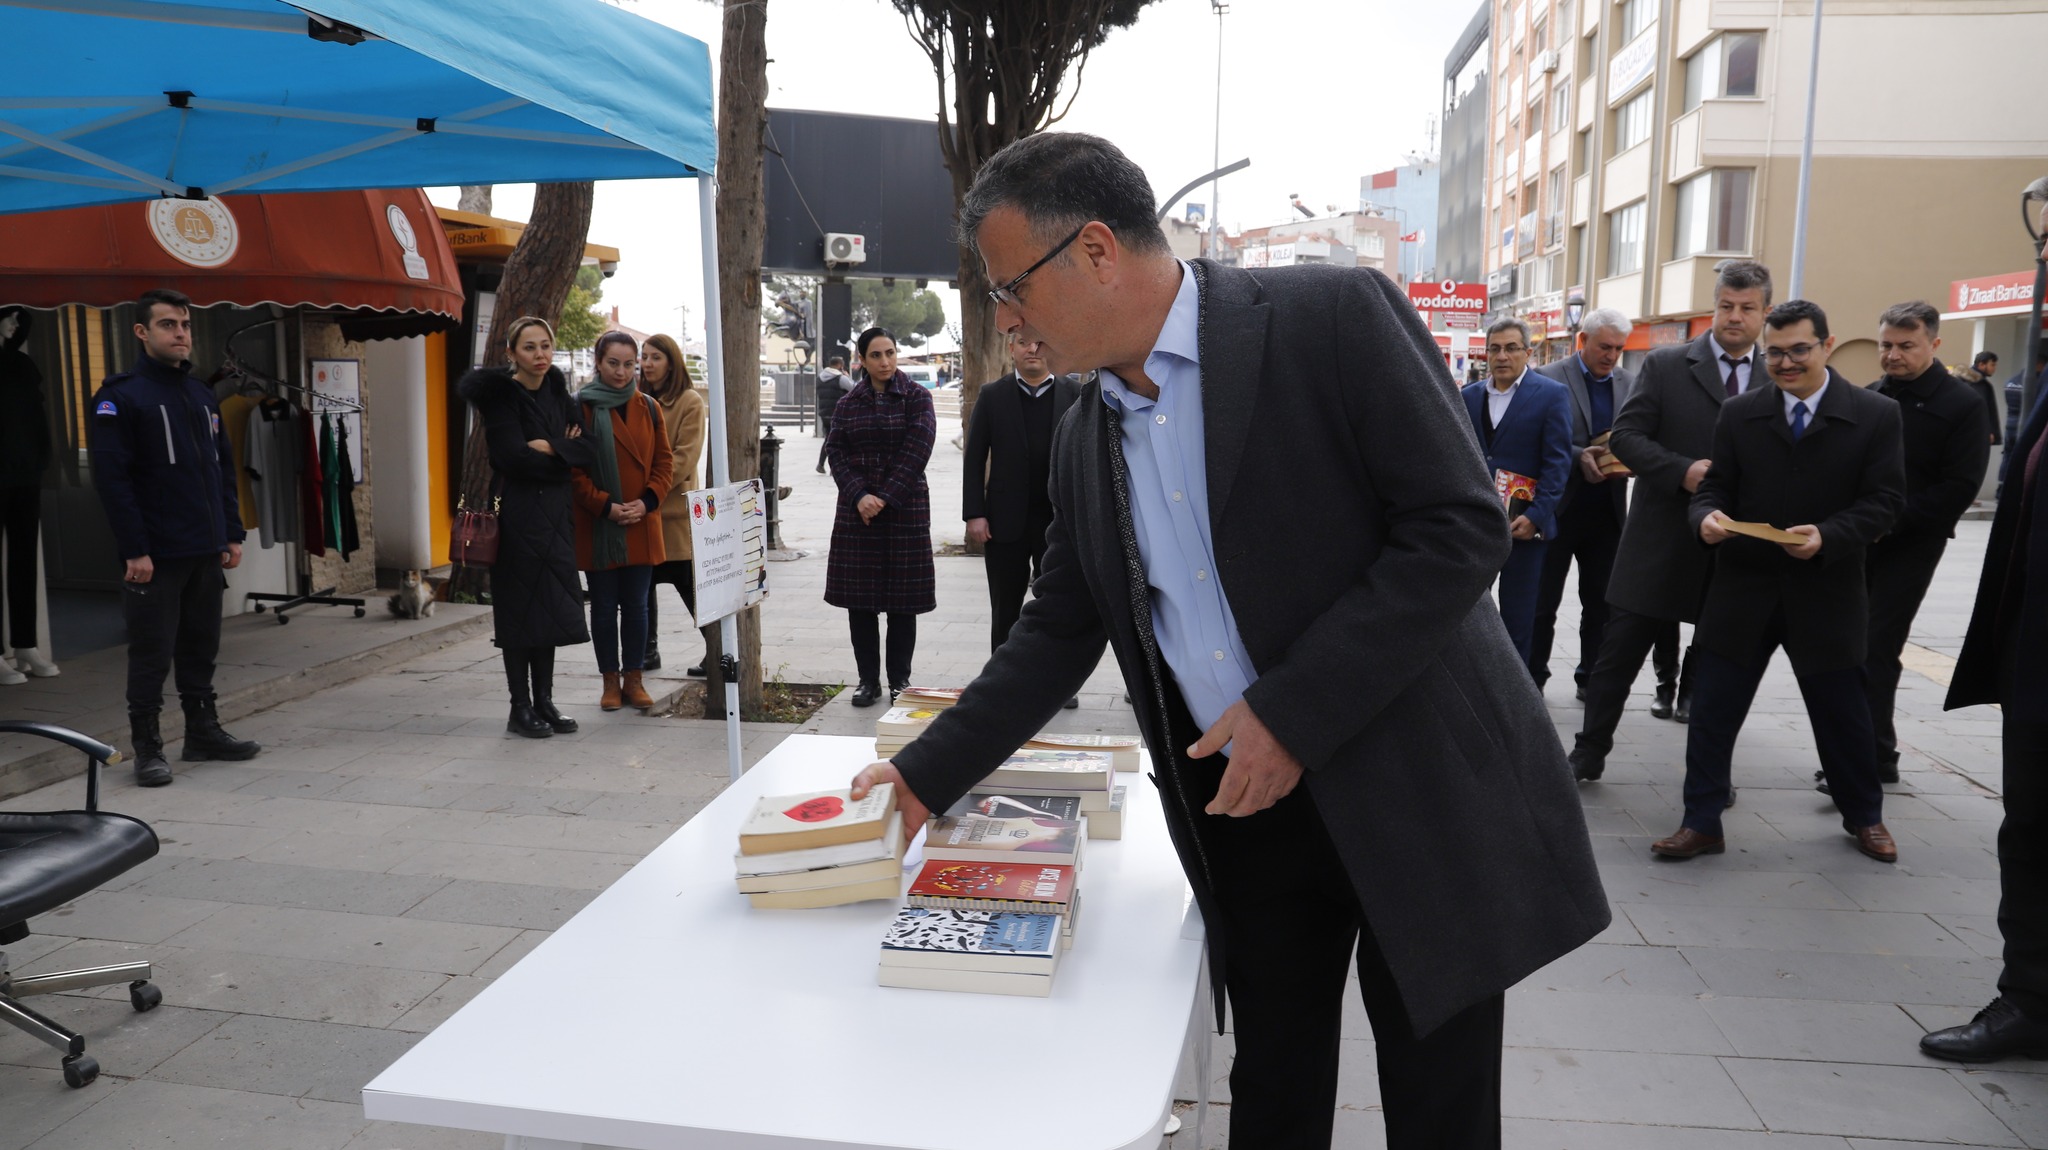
1163, 447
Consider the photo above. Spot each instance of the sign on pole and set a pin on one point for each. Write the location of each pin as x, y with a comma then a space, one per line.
1447, 300
729, 535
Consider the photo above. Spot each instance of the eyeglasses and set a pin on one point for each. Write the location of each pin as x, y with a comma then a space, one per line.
1797, 353
1505, 349
1007, 294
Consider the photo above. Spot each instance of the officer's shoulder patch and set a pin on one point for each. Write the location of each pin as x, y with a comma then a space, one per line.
106, 407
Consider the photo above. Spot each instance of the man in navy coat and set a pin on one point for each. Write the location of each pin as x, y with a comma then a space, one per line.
1524, 423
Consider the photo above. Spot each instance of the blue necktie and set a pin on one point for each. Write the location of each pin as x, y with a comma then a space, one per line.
1798, 420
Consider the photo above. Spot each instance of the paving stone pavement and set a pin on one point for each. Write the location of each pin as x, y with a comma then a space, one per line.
318, 909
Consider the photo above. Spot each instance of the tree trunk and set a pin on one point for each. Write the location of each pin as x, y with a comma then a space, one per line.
742, 219
475, 198
536, 282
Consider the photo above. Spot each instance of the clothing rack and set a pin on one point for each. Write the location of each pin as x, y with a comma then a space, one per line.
318, 403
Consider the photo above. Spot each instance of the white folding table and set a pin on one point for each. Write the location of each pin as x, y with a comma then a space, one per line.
671, 1014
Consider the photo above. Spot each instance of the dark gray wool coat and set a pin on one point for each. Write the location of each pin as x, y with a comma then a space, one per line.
536, 598
1356, 534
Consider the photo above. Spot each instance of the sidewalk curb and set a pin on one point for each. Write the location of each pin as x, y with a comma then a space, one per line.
27, 774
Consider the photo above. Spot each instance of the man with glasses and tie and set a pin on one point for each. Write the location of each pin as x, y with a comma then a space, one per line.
1822, 462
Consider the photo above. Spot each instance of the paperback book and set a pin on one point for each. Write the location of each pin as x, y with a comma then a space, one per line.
978, 838
1037, 769
816, 819
975, 951
1121, 749
1018, 888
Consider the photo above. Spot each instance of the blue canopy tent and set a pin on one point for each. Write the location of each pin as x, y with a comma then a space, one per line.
103, 101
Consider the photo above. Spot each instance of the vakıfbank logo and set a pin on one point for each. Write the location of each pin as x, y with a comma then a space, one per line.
201, 233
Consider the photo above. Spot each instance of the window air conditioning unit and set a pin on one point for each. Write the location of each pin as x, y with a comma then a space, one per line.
1546, 61
845, 248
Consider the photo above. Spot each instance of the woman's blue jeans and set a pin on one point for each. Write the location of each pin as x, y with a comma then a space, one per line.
620, 593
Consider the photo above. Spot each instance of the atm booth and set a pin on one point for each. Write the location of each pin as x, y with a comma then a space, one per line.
311, 311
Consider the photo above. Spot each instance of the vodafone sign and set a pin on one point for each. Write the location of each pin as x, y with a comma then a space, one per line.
1449, 297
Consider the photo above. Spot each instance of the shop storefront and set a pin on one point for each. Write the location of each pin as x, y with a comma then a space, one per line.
309, 316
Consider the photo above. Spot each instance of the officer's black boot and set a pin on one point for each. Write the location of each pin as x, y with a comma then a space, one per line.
653, 662
150, 768
204, 738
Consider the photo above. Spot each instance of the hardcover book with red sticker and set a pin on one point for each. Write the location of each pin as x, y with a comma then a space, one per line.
818, 819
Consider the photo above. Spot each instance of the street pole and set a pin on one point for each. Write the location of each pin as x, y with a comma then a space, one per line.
2030, 383
1216, 148
1798, 276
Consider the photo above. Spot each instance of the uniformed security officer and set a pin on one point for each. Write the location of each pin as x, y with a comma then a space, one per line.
166, 476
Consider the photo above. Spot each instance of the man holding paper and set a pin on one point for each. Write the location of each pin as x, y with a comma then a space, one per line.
1826, 459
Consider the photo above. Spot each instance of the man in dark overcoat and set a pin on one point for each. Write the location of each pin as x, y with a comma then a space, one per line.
1822, 460
1271, 506
1663, 434
2005, 661
1003, 497
1595, 502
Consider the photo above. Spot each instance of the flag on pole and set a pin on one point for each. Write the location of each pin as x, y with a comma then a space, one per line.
1414, 237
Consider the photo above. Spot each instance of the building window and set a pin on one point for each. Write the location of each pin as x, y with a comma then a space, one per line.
1575, 256
1582, 150
1625, 240
1632, 122
1724, 66
1561, 105
1713, 214
1632, 17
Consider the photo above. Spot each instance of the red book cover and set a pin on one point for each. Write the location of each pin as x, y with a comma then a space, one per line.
1046, 887
1516, 491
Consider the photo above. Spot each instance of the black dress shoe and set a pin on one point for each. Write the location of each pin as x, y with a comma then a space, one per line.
557, 722
1731, 799
696, 672
1682, 713
1587, 766
525, 721
866, 694
1072, 703
1888, 772
1660, 707
1998, 1031
896, 689
1580, 692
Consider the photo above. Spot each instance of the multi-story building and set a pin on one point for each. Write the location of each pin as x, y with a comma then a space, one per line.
1635, 144
1345, 239
1457, 250
1409, 194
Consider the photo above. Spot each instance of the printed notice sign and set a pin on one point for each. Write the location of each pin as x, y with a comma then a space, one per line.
729, 532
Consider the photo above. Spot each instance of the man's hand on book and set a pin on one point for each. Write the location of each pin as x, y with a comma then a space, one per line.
1808, 549
1261, 771
1521, 528
1589, 465
914, 812
1711, 531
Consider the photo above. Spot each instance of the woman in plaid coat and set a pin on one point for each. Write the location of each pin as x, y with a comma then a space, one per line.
881, 560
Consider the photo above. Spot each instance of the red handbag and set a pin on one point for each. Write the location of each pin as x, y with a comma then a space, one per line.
473, 539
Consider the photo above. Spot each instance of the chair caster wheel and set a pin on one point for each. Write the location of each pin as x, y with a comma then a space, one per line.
359, 612
283, 619
144, 997
80, 1070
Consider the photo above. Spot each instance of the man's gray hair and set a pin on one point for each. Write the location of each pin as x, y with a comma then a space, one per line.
1606, 319
1509, 324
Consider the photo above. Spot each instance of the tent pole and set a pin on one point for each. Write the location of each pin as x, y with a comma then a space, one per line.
721, 474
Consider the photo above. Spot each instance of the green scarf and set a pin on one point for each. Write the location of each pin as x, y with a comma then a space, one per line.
607, 539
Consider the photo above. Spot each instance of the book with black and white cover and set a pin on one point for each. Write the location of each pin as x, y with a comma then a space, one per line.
1044, 771
972, 940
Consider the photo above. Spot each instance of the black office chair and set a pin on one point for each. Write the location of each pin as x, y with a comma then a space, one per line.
47, 859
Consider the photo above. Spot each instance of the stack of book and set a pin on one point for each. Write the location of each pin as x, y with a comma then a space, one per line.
1077, 785
928, 698
821, 849
989, 952
991, 909
1121, 749
900, 726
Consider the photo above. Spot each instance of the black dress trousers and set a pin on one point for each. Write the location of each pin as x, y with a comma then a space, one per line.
1011, 568
1898, 571
1588, 533
1291, 930
174, 621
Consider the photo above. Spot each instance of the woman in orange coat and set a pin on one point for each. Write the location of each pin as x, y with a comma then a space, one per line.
618, 519
665, 376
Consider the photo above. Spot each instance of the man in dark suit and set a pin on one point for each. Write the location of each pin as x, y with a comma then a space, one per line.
1003, 496
1524, 425
1270, 505
1595, 499
2005, 661
1821, 459
1948, 445
1663, 434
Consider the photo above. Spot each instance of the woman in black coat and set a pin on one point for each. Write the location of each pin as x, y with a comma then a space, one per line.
24, 456
533, 430
881, 561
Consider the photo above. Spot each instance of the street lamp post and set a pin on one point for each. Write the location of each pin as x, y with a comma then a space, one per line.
2036, 193
1805, 165
1216, 154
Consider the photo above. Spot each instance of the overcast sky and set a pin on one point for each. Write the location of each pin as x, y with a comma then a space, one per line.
1316, 92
